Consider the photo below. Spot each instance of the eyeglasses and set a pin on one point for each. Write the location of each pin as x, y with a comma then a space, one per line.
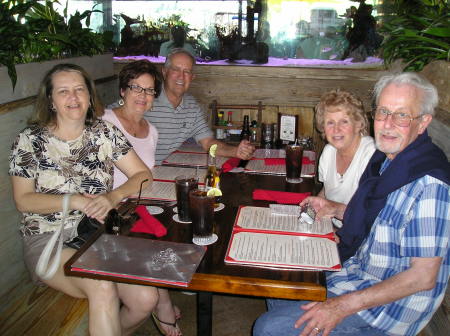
401, 119
183, 71
137, 89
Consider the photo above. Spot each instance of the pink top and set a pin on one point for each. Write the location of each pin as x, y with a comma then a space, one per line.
144, 148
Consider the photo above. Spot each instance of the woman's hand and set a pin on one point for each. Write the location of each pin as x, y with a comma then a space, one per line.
95, 206
324, 207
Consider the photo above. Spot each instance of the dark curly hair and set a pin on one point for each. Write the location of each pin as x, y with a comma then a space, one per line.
136, 69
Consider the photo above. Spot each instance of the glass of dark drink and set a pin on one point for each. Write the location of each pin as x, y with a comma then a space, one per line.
294, 154
202, 214
183, 185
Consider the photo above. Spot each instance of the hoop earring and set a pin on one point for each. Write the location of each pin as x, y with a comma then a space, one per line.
121, 102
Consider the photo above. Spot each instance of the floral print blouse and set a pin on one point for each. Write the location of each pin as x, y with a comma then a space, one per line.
83, 165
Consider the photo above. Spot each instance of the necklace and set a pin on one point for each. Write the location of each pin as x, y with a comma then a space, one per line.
344, 160
131, 127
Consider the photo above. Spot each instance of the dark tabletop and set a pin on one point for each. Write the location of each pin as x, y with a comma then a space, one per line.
213, 275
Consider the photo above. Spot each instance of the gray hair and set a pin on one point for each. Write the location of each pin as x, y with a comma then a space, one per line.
429, 97
177, 51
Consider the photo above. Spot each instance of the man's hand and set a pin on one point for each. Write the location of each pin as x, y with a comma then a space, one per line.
245, 150
321, 317
325, 316
324, 207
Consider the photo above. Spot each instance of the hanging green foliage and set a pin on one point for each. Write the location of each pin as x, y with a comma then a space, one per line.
417, 32
33, 31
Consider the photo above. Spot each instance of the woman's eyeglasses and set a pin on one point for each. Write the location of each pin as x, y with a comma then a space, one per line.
401, 119
137, 89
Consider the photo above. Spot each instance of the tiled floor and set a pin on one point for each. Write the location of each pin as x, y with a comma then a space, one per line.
232, 315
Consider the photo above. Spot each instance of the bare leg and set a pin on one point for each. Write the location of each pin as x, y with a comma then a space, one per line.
102, 296
138, 303
105, 315
166, 313
177, 312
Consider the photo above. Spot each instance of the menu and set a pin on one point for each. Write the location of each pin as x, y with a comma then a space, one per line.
267, 153
168, 173
163, 185
141, 259
191, 159
259, 164
261, 238
160, 190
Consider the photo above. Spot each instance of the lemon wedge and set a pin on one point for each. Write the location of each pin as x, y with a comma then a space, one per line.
214, 192
212, 150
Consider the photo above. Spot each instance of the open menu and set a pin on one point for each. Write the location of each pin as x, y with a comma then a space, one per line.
141, 259
168, 173
160, 190
163, 185
191, 159
258, 164
261, 238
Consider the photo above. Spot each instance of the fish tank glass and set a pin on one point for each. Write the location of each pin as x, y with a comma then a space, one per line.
255, 31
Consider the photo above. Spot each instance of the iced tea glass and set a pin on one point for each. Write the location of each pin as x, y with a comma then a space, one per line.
183, 185
294, 155
202, 214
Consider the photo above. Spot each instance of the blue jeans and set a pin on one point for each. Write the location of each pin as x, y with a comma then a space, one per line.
282, 314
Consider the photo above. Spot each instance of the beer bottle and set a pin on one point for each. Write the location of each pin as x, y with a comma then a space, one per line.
245, 133
212, 176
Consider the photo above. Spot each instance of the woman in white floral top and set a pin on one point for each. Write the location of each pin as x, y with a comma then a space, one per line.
68, 150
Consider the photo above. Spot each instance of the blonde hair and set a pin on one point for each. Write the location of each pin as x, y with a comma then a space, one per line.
341, 98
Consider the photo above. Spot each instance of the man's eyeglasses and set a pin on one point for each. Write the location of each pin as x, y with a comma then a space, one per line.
401, 119
183, 71
138, 89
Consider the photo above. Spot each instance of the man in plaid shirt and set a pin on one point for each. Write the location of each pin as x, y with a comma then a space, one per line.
398, 223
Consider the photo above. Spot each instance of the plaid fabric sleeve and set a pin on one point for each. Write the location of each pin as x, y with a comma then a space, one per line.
427, 227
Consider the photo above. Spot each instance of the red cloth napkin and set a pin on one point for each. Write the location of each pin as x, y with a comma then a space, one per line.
280, 162
147, 223
306, 160
274, 162
230, 164
283, 197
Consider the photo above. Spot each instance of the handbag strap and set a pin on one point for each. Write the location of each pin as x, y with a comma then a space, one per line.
43, 269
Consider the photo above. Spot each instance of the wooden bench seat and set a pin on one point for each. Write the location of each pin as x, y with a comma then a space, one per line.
33, 310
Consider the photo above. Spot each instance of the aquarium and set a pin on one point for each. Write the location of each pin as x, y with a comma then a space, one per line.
254, 32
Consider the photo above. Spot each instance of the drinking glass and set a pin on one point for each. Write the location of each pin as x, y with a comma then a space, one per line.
202, 214
294, 154
183, 185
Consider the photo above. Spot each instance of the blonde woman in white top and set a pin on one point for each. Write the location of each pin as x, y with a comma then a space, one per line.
341, 119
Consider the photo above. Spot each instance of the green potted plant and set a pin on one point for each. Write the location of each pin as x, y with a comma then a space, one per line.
36, 32
416, 39
12, 33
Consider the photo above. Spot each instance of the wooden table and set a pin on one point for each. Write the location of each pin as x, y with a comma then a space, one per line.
213, 275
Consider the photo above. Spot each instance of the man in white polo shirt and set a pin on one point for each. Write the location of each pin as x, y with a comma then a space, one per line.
178, 117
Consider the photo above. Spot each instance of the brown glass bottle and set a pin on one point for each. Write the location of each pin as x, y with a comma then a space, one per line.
212, 176
245, 133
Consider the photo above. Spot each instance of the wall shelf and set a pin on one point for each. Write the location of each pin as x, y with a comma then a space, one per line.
239, 111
